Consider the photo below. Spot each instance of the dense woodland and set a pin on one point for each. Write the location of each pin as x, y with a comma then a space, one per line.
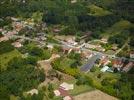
22, 74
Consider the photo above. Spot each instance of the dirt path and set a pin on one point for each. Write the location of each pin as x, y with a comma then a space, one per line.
94, 95
46, 66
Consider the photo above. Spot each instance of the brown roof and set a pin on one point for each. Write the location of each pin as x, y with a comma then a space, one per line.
128, 66
64, 93
103, 61
117, 62
132, 52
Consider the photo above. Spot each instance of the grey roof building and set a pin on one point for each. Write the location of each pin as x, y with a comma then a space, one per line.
90, 64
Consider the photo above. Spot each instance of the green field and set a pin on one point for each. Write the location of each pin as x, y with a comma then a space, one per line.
97, 81
80, 89
118, 27
98, 11
106, 3
6, 57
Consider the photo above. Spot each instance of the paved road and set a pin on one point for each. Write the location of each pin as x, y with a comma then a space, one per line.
71, 46
27, 38
95, 52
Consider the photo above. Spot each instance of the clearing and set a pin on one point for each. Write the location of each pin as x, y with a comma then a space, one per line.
94, 95
119, 26
98, 11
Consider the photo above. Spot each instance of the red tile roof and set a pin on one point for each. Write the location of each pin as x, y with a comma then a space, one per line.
64, 93
117, 62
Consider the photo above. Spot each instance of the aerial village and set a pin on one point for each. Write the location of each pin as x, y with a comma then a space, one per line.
92, 56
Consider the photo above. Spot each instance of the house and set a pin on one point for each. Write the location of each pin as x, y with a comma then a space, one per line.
4, 38
1, 29
56, 30
14, 19
104, 61
99, 48
17, 26
91, 46
57, 93
32, 92
106, 68
128, 67
114, 47
132, 54
10, 33
67, 49
17, 44
73, 1
69, 39
86, 54
72, 42
63, 91
50, 46
117, 63
104, 40
66, 86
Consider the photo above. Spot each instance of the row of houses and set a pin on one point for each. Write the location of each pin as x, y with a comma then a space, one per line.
107, 64
121, 65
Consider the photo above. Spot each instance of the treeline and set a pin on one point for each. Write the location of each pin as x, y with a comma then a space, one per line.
73, 15
21, 75
123, 8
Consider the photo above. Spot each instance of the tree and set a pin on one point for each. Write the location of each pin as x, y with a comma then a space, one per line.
131, 42
93, 69
50, 87
21, 76
1, 34
5, 46
84, 80
4, 93
35, 51
99, 75
31, 60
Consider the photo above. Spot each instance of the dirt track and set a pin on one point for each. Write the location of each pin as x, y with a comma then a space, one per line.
94, 95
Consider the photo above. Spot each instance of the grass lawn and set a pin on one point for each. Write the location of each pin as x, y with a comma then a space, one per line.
80, 89
6, 57
104, 75
98, 11
66, 62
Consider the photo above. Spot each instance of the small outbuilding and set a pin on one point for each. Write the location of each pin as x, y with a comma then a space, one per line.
106, 68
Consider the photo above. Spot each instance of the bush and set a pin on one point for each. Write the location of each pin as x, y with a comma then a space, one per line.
5, 47
84, 80
93, 69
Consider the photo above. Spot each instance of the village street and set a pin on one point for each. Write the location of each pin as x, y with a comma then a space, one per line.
81, 47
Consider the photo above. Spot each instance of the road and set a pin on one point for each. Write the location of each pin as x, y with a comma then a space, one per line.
27, 38
71, 46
